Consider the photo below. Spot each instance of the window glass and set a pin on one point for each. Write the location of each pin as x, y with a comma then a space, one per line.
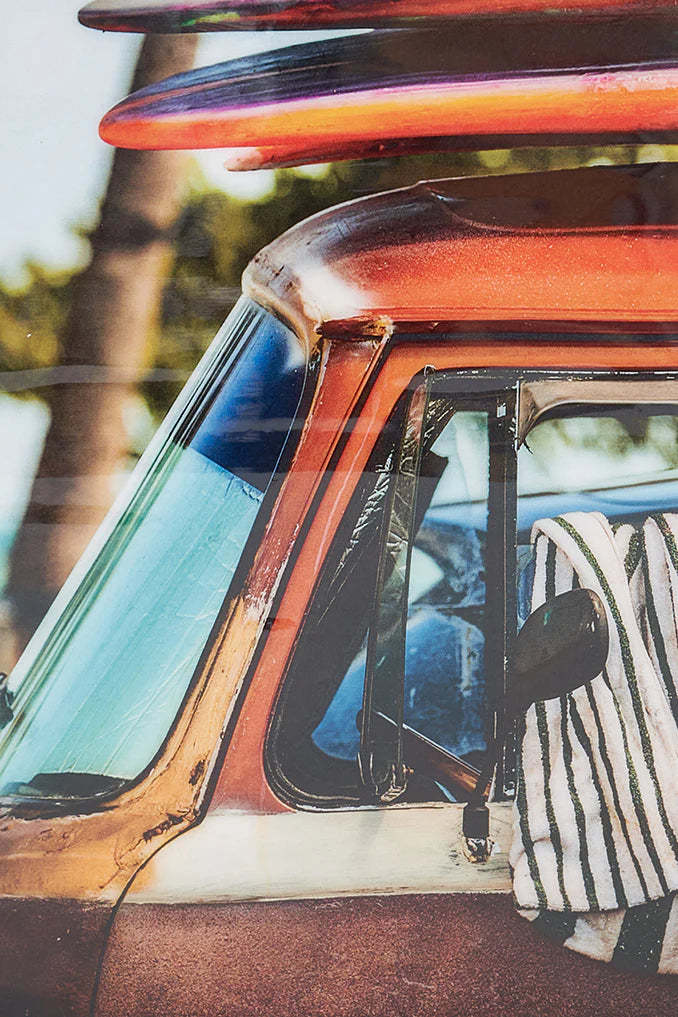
620, 457
445, 696
324, 688
620, 461
444, 675
96, 695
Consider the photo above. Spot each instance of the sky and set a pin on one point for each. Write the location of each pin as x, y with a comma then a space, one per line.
57, 79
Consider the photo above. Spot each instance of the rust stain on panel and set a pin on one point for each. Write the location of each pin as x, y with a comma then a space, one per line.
49, 952
439, 956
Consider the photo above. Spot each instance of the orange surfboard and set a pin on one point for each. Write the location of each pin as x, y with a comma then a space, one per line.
389, 92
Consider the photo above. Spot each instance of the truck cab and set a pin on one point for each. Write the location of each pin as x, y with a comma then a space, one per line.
240, 744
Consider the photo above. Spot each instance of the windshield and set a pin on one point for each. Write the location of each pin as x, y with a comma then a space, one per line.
99, 686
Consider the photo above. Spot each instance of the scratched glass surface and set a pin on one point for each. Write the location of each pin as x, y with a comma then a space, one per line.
444, 679
97, 693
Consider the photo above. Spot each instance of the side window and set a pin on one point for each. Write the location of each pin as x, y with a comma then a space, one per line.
445, 696
619, 460
594, 454
444, 675
401, 658
315, 740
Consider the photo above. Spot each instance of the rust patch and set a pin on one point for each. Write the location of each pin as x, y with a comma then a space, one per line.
377, 327
163, 827
197, 772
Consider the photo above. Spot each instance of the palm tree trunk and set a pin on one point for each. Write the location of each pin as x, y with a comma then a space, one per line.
115, 305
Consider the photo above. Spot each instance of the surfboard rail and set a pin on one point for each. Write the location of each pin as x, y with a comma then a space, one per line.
389, 92
170, 16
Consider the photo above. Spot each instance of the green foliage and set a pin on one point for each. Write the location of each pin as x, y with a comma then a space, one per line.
218, 235
32, 321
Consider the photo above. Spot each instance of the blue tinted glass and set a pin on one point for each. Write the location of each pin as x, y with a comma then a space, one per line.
99, 687
245, 428
444, 673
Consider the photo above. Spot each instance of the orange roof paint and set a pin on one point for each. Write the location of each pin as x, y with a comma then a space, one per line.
526, 248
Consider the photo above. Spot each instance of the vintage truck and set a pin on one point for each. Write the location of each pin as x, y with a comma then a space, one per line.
185, 827
236, 754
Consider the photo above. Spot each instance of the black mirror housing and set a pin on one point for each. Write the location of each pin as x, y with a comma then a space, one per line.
562, 646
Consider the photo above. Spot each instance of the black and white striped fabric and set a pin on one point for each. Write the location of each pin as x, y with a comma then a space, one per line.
595, 848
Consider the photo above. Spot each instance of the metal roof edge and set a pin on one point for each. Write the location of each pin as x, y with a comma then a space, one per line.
339, 270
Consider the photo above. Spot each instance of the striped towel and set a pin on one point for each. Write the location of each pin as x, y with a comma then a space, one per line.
595, 847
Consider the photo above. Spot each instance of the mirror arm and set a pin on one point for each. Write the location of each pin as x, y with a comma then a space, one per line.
562, 646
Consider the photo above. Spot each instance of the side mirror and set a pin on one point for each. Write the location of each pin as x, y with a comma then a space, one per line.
562, 646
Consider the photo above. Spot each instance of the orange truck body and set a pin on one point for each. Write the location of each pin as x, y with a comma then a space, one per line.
201, 889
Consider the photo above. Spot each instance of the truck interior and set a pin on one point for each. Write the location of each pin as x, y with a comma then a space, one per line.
587, 444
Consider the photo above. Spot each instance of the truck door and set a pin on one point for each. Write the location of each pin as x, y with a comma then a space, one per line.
357, 894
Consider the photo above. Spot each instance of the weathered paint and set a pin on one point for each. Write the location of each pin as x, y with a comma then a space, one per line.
571, 246
445, 955
400, 849
51, 857
91, 853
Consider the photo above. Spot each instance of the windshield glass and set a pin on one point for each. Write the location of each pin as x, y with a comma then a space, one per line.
98, 688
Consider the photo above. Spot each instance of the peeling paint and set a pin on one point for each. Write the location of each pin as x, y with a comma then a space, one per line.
163, 827
197, 772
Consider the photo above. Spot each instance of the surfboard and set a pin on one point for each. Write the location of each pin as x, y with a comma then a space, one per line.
229, 15
393, 92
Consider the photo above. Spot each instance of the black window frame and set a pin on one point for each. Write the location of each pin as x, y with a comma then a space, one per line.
487, 391
470, 387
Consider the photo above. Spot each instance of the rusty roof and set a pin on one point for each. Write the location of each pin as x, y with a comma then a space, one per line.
597, 246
